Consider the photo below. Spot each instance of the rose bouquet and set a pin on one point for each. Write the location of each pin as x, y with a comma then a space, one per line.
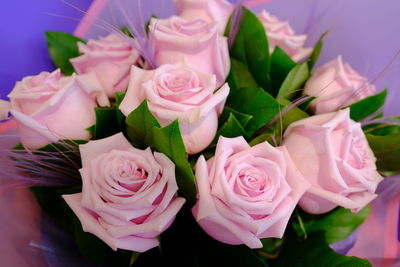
204, 138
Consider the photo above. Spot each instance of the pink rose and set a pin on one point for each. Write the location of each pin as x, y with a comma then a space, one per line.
336, 85
5, 106
107, 62
208, 10
179, 92
128, 195
49, 107
199, 42
246, 193
281, 34
332, 153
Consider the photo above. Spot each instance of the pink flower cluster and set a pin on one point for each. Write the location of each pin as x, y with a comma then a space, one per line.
129, 196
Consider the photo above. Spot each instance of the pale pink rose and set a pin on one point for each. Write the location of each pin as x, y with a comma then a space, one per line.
107, 62
128, 195
199, 42
5, 107
336, 85
179, 92
246, 193
281, 34
208, 10
332, 153
49, 107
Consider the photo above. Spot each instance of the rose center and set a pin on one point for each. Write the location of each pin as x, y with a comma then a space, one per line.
178, 85
129, 176
357, 153
252, 182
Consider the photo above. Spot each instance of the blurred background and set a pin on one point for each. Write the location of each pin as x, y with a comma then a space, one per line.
365, 32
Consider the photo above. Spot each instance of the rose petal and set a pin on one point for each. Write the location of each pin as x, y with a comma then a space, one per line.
155, 226
34, 134
135, 95
90, 150
5, 107
91, 225
336, 84
322, 200
175, 39
211, 221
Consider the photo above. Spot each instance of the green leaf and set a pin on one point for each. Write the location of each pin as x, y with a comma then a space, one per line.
62, 146
256, 102
144, 129
91, 129
387, 151
62, 47
231, 128
168, 140
139, 124
294, 81
337, 224
239, 76
316, 52
119, 96
268, 136
127, 31
109, 120
275, 131
106, 123
242, 118
293, 115
381, 129
367, 106
246, 100
250, 47
314, 251
271, 246
281, 64
305, 106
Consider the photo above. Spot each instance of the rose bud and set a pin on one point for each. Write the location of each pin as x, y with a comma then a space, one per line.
208, 10
332, 153
246, 193
128, 195
197, 41
106, 62
336, 85
49, 107
179, 92
281, 34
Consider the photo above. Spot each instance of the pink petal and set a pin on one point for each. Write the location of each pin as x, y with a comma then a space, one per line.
92, 149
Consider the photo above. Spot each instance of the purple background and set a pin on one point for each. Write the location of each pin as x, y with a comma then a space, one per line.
365, 32
23, 48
